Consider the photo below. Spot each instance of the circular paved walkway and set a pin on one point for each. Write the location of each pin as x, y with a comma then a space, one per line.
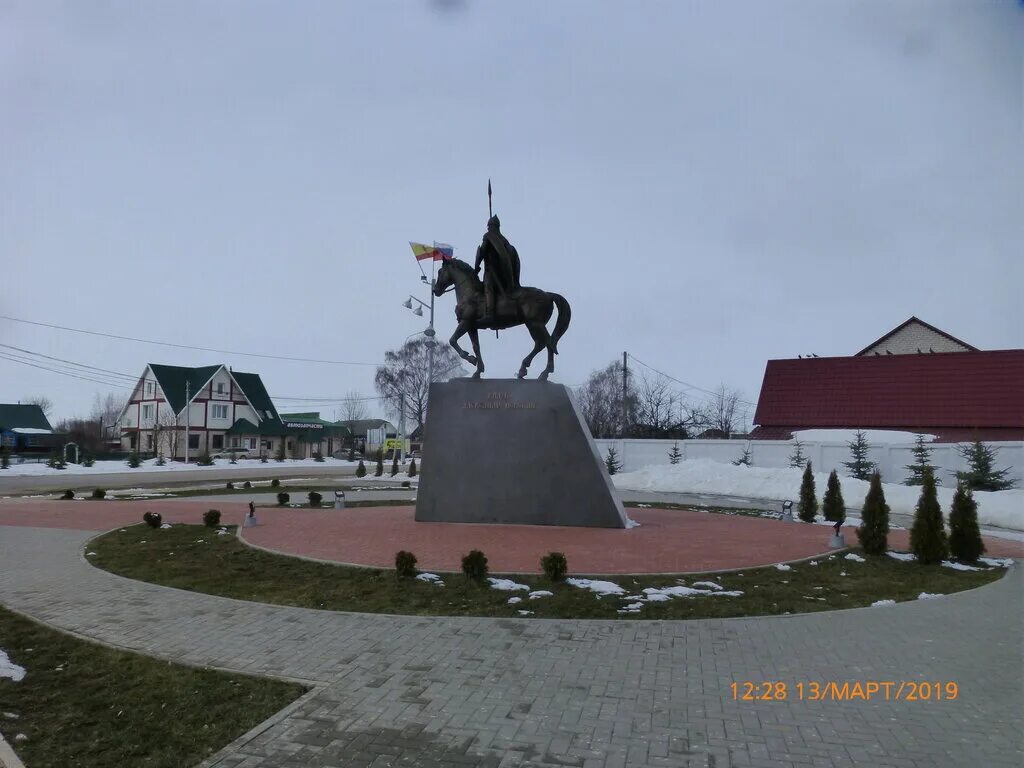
594, 694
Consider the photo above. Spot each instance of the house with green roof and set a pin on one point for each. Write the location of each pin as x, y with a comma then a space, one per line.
222, 411
25, 429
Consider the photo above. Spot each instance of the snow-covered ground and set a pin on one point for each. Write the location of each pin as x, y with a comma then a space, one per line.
9, 669
873, 436
1003, 508
149, 465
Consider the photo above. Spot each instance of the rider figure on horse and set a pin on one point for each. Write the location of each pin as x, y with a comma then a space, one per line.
501, 273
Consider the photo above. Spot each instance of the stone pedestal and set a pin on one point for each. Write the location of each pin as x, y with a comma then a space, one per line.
512, 451
837, 541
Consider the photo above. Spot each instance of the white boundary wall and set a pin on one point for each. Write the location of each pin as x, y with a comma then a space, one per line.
891, 458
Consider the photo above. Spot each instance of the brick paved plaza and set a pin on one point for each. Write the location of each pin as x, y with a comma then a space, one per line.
414, 691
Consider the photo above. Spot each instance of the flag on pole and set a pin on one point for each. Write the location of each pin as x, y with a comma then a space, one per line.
436, 252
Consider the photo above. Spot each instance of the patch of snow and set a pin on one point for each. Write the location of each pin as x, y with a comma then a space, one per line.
782, 567
873, 436
9, 669
855, 557
996, 562
514, 600
842, 573
960, 566
506, 585
883, 602
665, 593
31, 431
904, 556
630, 523
1004, 509
813, 562
11, 715
708, 585
222, 531
21, 737
598, 587
541, 593
632, 608
432, 578
525, 613
166, 525
90, 554
928, 596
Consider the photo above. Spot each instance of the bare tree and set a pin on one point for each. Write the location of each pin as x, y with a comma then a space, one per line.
724, 412
106, 410
353, 407
661, 410
601, 400
45, 404
166, 433
404, 375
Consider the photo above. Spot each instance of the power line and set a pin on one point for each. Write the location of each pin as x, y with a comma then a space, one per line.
72, 362
684, 383
6, 356
185, 346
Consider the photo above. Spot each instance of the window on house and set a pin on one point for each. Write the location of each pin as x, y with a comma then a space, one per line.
150, 387
220, 411
236, 442
147, 411
149, 441
193, 442
220, 387
252, 443
217, 442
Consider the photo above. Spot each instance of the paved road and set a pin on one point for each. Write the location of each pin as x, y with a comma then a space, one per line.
414, 691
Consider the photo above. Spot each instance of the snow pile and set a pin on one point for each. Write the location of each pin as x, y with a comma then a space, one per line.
430, 578
541, 593
782, 567
514, 600
9, 669
150, 465
525, 613
1002, 508
928, 596
506, 585
855, 557
906, 557
707, 585
664, 593
960, 566
878, 603
600, 588
996, 562
166, 525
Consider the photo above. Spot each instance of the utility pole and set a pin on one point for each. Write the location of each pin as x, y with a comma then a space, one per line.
188, 414
401, 428
625, 406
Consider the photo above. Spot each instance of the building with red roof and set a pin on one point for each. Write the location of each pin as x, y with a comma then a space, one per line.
911, 379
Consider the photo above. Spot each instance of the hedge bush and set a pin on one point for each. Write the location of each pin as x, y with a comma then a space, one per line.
554, 565
229, 486
282, 498
99, 493
153, 519
412, 468
314, 498
361, 469
211, 518
275, 483
405, 564
68, 495
474, 565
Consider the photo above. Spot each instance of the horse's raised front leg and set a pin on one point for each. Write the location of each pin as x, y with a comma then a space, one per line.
474, 336
540, 340
460, 331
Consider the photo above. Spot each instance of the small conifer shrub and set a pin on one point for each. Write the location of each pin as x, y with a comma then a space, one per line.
263, 458
361, 469
744, 458
981, 473
314, 498
405, 564
611, 461
474, 565
927, 535
283, 498
832, 505
153, 519
280, 455
68, 495
99, 493
211, 518
675, 455
807, 509
554, 565
229, 486
247, 484
412, 468
379, 471
394, 465
873, 532
205, 460
796, 458
965, 543
275, 483
318, 457
922, 460
160, 461
134, 461
859, 465
352, 453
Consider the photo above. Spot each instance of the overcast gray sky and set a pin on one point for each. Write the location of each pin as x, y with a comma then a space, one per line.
711, 185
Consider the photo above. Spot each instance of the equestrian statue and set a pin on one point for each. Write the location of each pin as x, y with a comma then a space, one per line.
499, 301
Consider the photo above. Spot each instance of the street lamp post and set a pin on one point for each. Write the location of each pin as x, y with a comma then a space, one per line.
429, 332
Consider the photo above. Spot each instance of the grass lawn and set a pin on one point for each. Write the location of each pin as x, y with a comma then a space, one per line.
82, 705
204, 561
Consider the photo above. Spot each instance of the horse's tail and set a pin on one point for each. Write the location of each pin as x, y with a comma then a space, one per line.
562, 323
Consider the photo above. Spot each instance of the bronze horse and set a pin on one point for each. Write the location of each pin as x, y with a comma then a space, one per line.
531, 307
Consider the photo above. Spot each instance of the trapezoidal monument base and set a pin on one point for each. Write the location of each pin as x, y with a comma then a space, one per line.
512, 451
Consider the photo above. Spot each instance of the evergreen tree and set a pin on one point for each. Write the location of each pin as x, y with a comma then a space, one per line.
922, 461
5, 457
981, 474
873, 532
280, 456
675, 455
352, 453
832, 505
965, 543
807, 509
796, 458
412, 468
380, 464
860, 467
361, 469
611, 461
744, 459
394, 464
263, 457
134, 460
927, 535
